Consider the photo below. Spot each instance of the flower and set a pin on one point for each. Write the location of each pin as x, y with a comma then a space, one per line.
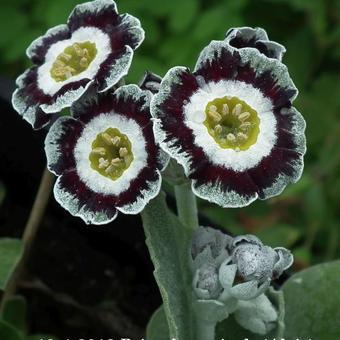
231, 124
232, 275
254, 265
94, 49
210, 246
247, 37
106, 156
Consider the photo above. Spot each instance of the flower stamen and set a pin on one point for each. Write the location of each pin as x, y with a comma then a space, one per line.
74, 60
117, 150
238, 130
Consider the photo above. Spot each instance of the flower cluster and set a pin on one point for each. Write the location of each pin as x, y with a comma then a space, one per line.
230, 123
232, 275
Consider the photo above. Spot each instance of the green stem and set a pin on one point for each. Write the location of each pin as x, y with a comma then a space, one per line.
30, 232
205, 330
186, 205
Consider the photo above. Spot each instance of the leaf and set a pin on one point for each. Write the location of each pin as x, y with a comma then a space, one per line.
10, 253
8, 332
312, 299
229, 329
14, 313
168, 243
157, 328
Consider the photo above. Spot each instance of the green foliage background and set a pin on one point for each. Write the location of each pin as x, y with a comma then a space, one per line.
306, 217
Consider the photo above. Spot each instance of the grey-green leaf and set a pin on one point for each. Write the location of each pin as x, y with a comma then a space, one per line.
10, 253
312, 299
157, 328
168, 243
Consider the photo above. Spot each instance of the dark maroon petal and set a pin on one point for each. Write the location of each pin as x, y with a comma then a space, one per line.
79, 200
245, 37
267, 83
60, 143
223, 65
139, 190
27, 98
168, 108
281, 162
220, 62
39, 47
223, 186
101, 14
229, 180
114, 68
122, 29
30, 90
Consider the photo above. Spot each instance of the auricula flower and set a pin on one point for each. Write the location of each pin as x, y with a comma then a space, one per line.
106, 156
231, 124
94, 49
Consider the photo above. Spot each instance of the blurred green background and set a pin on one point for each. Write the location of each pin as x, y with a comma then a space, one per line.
306, 217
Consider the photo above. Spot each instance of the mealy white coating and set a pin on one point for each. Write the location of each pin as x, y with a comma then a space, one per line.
257, 315
78, 208
94, 7
67, 99
215, 193
143, 197
260, 35
53, 140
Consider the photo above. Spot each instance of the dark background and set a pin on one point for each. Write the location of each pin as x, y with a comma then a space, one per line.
97, 281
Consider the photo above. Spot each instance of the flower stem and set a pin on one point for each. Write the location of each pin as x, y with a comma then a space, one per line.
205, 330
186, 205
30, 232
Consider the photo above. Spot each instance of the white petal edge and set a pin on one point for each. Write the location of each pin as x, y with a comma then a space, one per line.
247, 31
119, 70
143, 197
135, 28
181, 156
72, 204
52, 150
28, 113
92, 7
67, 99
213, 192
261, 36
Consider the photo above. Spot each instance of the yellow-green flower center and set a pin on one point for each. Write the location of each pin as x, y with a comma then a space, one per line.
74, 60
111, 153
232, 123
